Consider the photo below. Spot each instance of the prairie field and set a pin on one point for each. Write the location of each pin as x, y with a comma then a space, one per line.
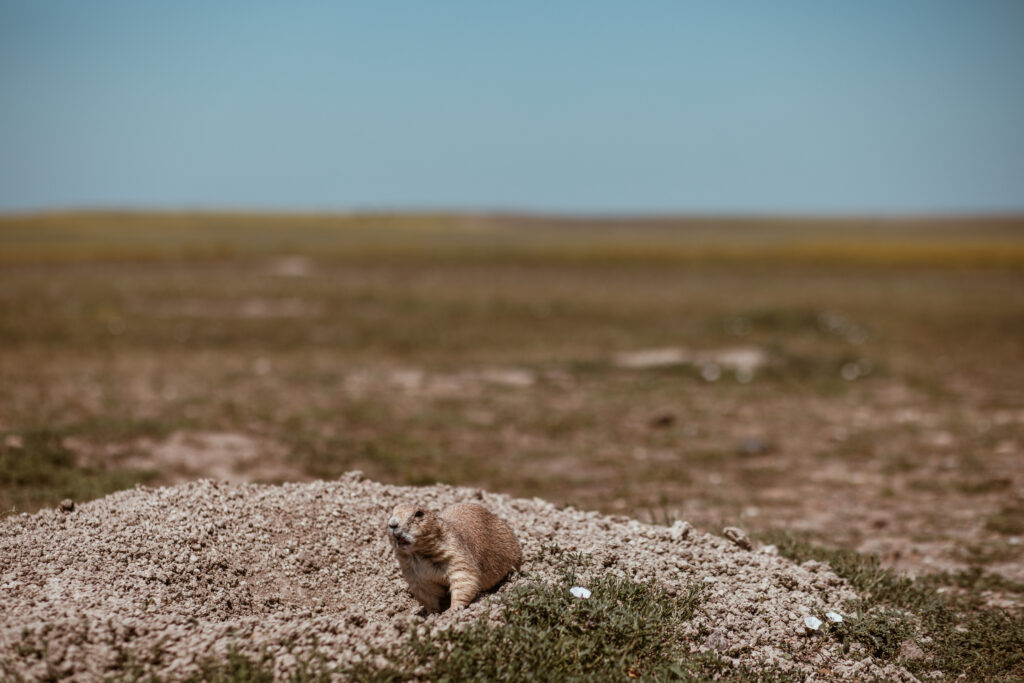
844, 390
857, 381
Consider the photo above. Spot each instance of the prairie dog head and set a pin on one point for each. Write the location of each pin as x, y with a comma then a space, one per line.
412, 528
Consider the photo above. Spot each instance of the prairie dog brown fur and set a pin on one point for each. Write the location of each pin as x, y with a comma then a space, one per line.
465, 549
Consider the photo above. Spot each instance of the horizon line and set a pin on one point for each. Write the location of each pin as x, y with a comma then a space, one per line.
520, 213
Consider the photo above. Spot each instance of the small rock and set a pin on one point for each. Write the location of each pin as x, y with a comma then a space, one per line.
680, 530
711, 372
787, 581
580, 592
769, 550
911, 651
67, 505
737, 536
717, 641
751, 447
662, 420
309, 562
814, 566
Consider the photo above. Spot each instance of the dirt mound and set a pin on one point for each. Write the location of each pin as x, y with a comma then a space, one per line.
160, 579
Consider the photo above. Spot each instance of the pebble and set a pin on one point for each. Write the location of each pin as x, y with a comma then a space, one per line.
752, 447
680, 530
662, 420
737, 536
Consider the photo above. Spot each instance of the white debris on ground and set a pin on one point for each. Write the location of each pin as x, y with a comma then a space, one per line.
419, 382
224, 456
168, 577
291, 266
653, 358
742, 361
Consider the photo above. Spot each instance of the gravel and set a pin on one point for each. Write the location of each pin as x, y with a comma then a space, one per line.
162, 579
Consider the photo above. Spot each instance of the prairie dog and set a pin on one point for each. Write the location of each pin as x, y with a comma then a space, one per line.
465, 549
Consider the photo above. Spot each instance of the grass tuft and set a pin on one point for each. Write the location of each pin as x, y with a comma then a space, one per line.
959, 634
1008, 521
625, 630
36, 469
881, 631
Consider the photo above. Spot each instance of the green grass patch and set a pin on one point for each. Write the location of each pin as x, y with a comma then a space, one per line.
958, 634
37, 470
881, 631
626, 630
1008, 521
977, 579
236, 668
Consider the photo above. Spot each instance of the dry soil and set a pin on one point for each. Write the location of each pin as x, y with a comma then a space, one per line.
161, 579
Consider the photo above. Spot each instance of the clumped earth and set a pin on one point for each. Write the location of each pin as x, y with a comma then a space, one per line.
162, 581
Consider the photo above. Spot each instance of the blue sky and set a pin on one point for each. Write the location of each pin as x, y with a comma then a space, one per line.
723, 106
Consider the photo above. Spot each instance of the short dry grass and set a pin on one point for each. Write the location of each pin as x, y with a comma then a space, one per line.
919, 621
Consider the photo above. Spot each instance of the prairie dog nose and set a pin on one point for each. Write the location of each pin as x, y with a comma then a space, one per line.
393, 522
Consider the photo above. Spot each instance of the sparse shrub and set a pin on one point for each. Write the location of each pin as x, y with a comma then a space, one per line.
625, 630
959, 634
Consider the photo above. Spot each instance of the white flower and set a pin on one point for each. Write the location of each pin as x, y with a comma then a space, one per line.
813, 623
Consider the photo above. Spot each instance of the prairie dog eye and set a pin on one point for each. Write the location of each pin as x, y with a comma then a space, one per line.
419, 513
